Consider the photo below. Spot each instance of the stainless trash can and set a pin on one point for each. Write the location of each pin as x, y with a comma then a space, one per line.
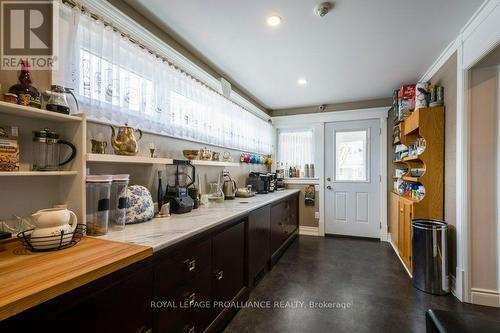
430, 256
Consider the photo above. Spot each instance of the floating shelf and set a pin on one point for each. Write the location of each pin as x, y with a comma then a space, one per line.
109, 158
215, 163
34, 113
37, 173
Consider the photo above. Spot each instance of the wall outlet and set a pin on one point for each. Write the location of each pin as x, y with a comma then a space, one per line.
316, 215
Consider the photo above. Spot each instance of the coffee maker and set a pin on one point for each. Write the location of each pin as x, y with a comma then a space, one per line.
178, 194
259, 182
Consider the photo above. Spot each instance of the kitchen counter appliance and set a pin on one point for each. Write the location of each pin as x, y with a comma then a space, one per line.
259, 182
178, 194
229, 186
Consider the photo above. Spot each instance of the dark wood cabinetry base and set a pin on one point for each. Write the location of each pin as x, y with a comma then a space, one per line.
190, 287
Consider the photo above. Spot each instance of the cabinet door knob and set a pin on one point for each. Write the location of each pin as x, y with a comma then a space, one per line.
219, 275
190, 264
191, 299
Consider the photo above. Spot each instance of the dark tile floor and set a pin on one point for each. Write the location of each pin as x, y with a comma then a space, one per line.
364, 276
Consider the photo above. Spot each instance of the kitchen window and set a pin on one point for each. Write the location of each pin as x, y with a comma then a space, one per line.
117, 82
296, 148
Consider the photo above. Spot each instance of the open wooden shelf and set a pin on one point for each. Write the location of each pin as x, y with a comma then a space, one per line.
37, 173
109, 158
34, 113
411, 158
411, 179
215, 163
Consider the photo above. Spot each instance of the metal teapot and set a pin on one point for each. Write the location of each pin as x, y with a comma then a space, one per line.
125, 143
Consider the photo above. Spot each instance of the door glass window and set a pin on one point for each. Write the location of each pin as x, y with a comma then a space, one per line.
351, 155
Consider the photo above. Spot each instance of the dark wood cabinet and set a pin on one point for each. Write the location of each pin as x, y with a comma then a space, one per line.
119, 302
258, 243
228, 256
182, 279
284, 225
277, 226
181, 288
197, 278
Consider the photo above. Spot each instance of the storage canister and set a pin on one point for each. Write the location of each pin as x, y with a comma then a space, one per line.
118, 206
98, 203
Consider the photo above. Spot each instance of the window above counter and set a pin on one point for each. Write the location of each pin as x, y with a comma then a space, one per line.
118, 81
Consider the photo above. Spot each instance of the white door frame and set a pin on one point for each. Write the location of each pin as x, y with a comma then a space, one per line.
478, 37
317, 121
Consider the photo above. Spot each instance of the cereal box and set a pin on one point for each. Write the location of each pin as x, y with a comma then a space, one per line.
9, 148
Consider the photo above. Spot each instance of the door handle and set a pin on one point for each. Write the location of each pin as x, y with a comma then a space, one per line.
329, 187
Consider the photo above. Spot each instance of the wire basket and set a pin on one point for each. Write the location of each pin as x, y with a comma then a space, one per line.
51, 243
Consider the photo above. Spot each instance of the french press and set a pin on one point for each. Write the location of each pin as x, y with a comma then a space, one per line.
46, 148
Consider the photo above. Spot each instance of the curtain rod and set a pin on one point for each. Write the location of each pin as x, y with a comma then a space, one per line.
97, 17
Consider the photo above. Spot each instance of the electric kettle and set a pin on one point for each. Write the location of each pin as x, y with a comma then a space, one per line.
229, 187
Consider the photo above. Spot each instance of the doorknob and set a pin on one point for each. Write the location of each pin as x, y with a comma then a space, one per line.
328, 179
329, 187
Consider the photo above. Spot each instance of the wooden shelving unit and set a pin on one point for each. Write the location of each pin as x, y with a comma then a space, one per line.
24, 192
427, 123
37, 173
34, 113
215, 163
109, 158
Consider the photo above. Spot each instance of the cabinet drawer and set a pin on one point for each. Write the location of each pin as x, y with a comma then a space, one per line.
180, 266
228, 264
189, 307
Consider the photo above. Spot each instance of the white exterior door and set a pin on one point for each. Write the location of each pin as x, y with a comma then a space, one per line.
352, 178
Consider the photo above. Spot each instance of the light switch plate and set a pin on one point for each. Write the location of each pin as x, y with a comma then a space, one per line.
316, 188
316, 215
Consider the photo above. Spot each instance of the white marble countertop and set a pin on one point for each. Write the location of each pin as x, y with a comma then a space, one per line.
160, 233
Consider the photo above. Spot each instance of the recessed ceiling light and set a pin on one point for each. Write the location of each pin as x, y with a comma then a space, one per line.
273, 20
302, 82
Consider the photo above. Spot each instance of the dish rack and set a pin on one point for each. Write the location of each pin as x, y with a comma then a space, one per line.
51, 243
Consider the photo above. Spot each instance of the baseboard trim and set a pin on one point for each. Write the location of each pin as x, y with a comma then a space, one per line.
397, 253
485, 297
308, 231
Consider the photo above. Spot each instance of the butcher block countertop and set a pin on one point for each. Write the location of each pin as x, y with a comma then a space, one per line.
30, 278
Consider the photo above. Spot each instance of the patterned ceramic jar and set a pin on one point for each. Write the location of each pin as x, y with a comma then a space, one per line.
139, 204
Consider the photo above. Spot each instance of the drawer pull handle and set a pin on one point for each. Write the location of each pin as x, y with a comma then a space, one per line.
191, 299
190, 265
219, 275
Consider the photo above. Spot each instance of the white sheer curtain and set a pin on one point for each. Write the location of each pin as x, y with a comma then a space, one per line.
118, 82
296, 147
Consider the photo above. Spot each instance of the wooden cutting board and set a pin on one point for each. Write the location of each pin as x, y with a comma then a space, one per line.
29, 278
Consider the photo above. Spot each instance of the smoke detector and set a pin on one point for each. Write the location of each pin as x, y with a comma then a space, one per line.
322, 9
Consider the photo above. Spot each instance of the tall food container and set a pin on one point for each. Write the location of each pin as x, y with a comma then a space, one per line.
98, 204
118, 207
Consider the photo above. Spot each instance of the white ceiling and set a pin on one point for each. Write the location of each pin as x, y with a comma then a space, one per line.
362, 50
